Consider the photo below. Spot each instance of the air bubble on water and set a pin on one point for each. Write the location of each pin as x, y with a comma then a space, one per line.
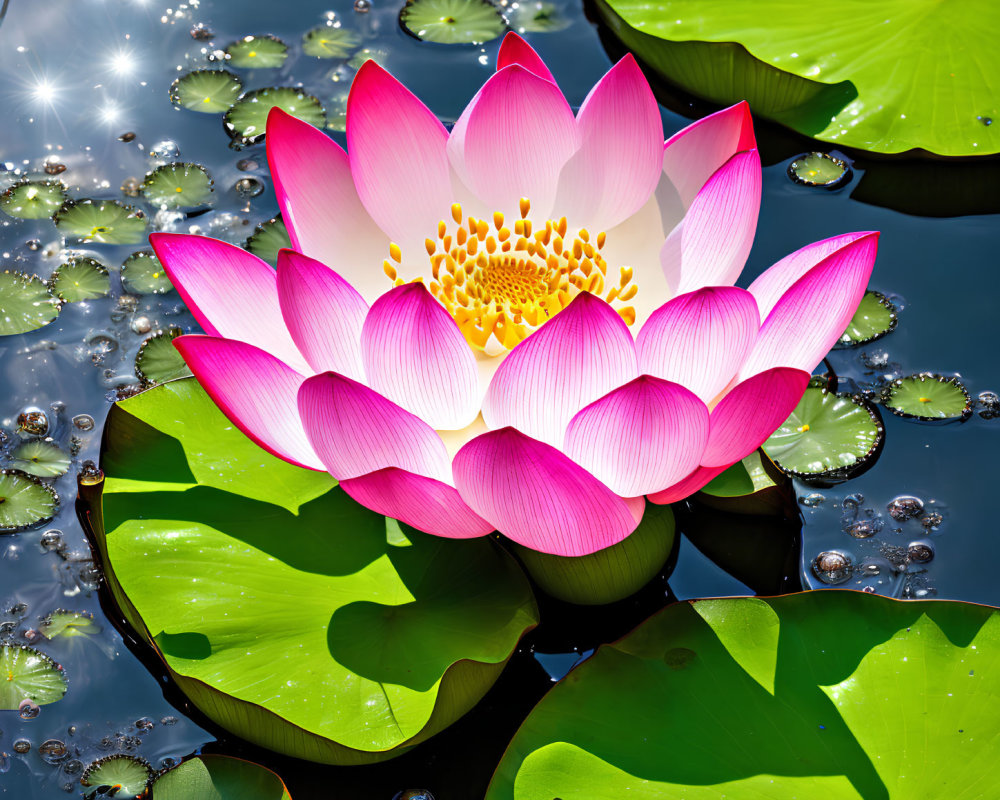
169, 720
33, 422
832, 567
4, 762
932, 520
853, 501
905, 507
168, 763
53, 750
989, 405
920, 552
73, 766
28, 709
22, 746
362, 6
864, 528
144, 724
812, 500
164, 151
248, 187
247, 165
875, 359
141, 325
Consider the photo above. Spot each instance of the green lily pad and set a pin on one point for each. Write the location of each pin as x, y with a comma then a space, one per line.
246, 121
24, 501
377, 54
128, 776
79, 279
452, 21
157, 360
267, 239
327, 41
279, 605
827, 437
42, 458
876, 316
927, 396
25, 303
828, 694
179, 185
219, 778
819, 169
103, 221
754, 485
888, 77
27, 674
142, 273
33, 199
262, 52
206, 90
539, 16
68, 623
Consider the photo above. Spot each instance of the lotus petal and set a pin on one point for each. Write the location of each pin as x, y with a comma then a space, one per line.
514, 50
686, 487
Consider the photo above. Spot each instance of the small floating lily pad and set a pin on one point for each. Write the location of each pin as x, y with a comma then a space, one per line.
42, 458
246, 121
928, 396
27, 674
377, 54
452, 21
206, 90
103, 221
158, 360
819, 169
876, 316
828, 437
68, 623
263, 52
178, 185
25, 303
268, 239
128, 776
80, 278
142, 273
33, 199
219, 778
329, 42
537, 17
24, 501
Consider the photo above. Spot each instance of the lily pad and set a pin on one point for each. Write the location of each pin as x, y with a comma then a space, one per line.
755, 485
539, 16
262, 52
327, 41
68, 623
128, 776
33, 199
80, 279
27, 674
828, 694
819, 169
42, 458
142, 273
246, 121
25, 303
211, 777
889, 77
178, 185
268, 239
206, 90
103, 221
452, 21
157, 360
876, 316
24, 501
278, 605
927, 396
828, 437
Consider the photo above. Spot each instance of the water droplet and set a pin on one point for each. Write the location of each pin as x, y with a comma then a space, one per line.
876, 359
168, 763
128, 136
362, 6
144, 724
141, 325
28, 709
90, 576
989, 405
832, 566
987, 121
812, 500
905, 507
4, 762
166, 150
84, 422
53, 750
248, 187
853, 501
22, 746
54, 168
131, 187
73, 766
864, 528
33, 422
246, 165
932, 520
52, 541
920, 552
925, 593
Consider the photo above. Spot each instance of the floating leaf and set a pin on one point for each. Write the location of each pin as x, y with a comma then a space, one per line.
80, 278
24, 501
158, 360
876, 316
27, 674
754, 485
246, 121
819, 169
68, 623
128, 776
142, 273
33, 199
103, 221
258, 51
452, 21
825, 694
268, 239
928, 396
207, 90
178, 185
377, 54
537, 17
25, 303
329, 42
212, 777
42, 458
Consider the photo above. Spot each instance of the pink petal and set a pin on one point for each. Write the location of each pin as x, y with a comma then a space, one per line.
255, 390
415, 355
640, 438
810, 316
579, 355
750, 412
512, 140
514, 50
423, 503
319, 204
620, 158
693, 155
779, 278
396, 148
692, 483
323, 313
710, 245
232, 293
538, 497
355, 430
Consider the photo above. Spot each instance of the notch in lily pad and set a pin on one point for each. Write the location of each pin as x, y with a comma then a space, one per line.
25, 501
828, 438
452, 21
928, 397
42, 458
158, 360
178, 185
126, 776
26, 303
102, 221
142, 273
820, 170
33, 199
268, 239
207, 90
80, 278
246, 121
327, 41
876, 316
260, 52
28, 674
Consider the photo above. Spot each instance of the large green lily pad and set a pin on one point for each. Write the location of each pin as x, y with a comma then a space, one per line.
834, 694
891, 76
286, 612
219, 778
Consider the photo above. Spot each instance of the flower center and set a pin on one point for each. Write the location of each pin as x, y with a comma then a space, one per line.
499, 282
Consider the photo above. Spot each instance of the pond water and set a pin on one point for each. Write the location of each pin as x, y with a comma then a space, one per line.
84, 84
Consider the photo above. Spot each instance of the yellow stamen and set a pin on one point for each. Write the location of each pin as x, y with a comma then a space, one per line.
395, 253
803, 428
456, 212
924, 399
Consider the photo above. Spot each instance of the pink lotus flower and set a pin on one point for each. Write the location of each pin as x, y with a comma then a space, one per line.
503, 370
